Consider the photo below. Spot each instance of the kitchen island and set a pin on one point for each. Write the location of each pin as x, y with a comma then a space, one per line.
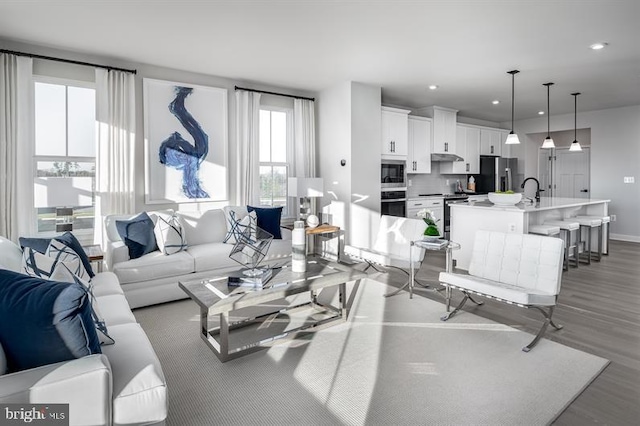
470, 216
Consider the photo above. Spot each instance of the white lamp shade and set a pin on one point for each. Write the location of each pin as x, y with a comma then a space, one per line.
575, 146
63, 191
305, 187
512, 139
548, 143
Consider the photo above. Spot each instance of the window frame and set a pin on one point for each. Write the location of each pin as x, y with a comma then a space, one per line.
81, 233
288, 212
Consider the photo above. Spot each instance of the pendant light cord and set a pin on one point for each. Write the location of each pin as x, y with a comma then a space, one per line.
513, 76
548, 110
575, 116
548, 114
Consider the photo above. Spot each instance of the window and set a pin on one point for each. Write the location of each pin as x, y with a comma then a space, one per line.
65, 151
274, 156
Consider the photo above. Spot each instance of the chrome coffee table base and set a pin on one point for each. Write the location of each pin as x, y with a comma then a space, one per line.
216, 298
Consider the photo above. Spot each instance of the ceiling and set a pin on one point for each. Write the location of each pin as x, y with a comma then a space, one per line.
464, 47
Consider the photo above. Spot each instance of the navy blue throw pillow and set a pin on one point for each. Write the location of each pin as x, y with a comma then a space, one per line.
137, 234
268, 219
41, 244
38, 244
43, 322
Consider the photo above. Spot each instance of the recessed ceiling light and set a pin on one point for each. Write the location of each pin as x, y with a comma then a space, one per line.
598, 46
540, 112
495, 102
433, 87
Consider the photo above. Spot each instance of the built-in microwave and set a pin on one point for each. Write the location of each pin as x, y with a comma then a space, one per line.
392, 174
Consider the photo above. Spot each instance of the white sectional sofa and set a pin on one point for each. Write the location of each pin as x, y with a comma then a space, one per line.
153, 278
124, 385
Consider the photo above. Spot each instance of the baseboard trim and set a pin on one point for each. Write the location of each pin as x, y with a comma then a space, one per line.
622, 237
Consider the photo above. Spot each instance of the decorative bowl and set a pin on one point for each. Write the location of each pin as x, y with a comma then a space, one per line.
431, 238
504, 199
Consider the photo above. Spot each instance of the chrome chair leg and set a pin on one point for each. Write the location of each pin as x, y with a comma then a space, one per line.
543, 329
455, 311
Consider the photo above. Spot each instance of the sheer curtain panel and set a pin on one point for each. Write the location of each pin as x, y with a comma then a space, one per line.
304, 137
115, 115
16, 146
247, 140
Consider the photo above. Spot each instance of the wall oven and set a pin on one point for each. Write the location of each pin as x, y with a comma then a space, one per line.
394, 203
393, 174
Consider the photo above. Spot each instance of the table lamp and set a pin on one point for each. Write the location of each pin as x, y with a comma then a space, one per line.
304, 189
63, 194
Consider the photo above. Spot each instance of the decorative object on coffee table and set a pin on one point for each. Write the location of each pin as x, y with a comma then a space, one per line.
299, 247
250, 249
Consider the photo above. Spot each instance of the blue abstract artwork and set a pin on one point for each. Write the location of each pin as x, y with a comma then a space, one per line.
186, 142
176, 152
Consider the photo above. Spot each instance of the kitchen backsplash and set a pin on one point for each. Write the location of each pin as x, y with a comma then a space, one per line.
434, 183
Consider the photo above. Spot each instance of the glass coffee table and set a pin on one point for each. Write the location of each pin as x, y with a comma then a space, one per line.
216, 298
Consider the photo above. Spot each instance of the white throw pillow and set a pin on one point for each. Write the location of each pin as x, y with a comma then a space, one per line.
62, 273
170, 236
61, 252
37, 264
235, 226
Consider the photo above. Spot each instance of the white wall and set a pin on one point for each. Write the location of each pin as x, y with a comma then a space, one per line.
84, 73
366, 151
349, 129
615, 153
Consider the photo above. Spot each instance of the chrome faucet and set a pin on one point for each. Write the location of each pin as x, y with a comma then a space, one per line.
537, 187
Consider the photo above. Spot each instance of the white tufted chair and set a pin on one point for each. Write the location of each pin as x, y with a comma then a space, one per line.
520, 269
392, 247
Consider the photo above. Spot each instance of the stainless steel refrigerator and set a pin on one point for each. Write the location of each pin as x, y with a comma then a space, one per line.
497, 174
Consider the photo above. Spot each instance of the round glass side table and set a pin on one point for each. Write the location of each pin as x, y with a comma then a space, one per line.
438, 245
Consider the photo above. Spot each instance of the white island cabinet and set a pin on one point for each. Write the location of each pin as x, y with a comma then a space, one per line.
469, 217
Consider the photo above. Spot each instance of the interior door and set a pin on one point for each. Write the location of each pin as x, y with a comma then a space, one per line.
572, 173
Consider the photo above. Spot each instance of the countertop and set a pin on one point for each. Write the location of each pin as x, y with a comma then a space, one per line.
545, 203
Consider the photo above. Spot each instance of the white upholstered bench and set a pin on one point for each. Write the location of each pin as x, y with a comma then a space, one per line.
520, 269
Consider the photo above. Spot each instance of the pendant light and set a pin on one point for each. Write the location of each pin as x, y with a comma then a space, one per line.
548, 142
575, 145
512, 139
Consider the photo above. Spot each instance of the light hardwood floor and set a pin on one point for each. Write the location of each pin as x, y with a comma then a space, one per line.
599, 306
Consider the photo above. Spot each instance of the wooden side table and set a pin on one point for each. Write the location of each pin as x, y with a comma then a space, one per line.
323, 229
95, 254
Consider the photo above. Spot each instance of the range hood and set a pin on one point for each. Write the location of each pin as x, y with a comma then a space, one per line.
446, 157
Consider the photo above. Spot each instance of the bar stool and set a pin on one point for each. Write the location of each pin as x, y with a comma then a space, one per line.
587, 224
546, 230
606, 220
567, 228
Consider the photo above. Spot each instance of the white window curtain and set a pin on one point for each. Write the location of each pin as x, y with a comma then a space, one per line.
247, 140
304, 138
116, 123
16, 146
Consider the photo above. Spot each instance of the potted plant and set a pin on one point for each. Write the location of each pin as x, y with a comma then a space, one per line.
428, 216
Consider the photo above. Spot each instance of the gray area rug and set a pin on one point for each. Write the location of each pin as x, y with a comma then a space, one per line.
393, 363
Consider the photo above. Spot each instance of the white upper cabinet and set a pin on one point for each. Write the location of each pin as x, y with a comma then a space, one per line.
468, 147
491, 142
506, 149
444, 130
419, 158
395, 132
472, 158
